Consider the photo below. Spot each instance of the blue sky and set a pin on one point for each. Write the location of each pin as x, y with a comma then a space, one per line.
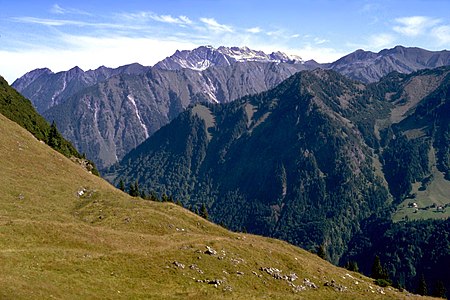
62, 34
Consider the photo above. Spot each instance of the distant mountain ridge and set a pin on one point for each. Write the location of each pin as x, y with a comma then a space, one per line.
203, 57
47, 89
367, 66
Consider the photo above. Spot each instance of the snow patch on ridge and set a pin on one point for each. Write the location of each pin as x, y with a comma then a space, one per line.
136, 111
57, 93
204, 57
211, 90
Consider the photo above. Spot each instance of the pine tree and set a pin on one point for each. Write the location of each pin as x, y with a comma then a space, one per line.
322, 252
131, 190
134, 189
377, 269
439, 290
154, 196
53, 136
121, 185
204, 212
352, 266
422, 286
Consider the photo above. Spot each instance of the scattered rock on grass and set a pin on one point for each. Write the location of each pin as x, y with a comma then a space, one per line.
210, 251
178, 265
337, 287
196, 268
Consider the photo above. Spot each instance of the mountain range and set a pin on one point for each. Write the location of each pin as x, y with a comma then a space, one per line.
204, 57
367, 66
90, 108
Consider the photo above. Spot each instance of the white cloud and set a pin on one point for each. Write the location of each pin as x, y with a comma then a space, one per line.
375, 42
381, 40
442, 34
414, 26
213, 25
64, 22
48, 22
57, 9
143, 16
370, 7
181, 20
185, 19
319, 54
254, 30
276, 33
319, 41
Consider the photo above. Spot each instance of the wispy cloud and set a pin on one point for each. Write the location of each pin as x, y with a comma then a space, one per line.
442, 34
57, 9
375, 42
65, 22
48, 22
279, 33
370, 7
181, 20
254, 30
318, 53
215, 26
380, 40
319, 41
145, 16
415, 25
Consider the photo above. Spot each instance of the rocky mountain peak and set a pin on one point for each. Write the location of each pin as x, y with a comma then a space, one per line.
367, 66
22, 82
204, 57
76, 69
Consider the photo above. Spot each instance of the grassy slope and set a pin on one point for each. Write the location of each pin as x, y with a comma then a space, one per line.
54, 244
438, 192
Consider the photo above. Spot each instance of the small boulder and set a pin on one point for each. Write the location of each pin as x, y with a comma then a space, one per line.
178, 265
210, 251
